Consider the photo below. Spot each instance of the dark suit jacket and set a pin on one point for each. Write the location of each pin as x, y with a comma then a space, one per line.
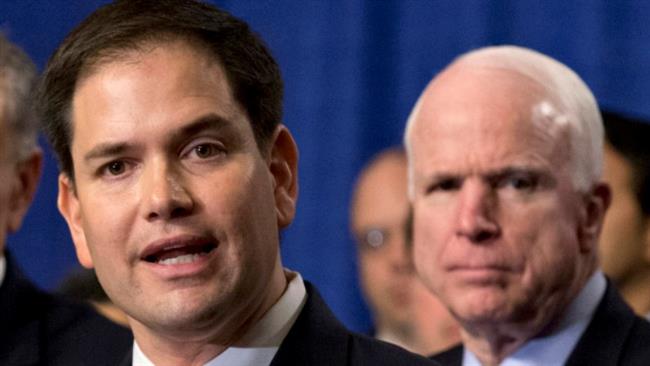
615, 336
37, 328
317, 338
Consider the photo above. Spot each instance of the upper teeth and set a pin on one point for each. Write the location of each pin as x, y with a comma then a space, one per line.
187, 258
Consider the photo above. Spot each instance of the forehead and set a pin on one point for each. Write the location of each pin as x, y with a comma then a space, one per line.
486, 118
382, 190
142, 86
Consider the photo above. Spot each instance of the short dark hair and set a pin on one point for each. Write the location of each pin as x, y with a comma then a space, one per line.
630, 136
127, 25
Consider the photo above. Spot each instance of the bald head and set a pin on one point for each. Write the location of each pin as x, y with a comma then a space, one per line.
547, 92
504, 153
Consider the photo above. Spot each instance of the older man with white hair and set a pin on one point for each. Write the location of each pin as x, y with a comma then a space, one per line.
505, 156
37, 328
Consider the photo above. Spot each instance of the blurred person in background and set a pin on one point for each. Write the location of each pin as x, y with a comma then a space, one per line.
82, 285
403, 311
37, 328
625, 240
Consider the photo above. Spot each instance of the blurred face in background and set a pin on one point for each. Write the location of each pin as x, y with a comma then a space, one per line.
18, 176
399, 301
379, 215
7, 175
625, 241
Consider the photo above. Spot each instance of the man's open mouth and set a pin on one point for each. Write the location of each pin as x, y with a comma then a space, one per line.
178, 253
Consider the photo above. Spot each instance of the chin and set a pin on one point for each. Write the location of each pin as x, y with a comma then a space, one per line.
480, 307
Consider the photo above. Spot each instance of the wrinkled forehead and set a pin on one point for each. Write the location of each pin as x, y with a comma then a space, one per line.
486, 119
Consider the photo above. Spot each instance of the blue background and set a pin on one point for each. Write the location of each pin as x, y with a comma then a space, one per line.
353, 70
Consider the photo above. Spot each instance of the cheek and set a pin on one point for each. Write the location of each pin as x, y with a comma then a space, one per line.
372, 272
246, 214
107, 222
426, 248
432, 228
620, 222
548, 247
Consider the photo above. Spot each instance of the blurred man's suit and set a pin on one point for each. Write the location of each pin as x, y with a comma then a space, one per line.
40, 329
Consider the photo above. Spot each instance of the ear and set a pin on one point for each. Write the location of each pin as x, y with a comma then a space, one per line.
596, 203
28, 172
283, 166
69, 207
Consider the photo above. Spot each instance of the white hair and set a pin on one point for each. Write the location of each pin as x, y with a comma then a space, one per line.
578, 108
17, 78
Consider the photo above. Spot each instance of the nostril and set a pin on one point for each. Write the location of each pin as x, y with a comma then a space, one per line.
179, 212
483, 236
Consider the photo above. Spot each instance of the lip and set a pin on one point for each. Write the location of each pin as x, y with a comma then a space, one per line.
482, 274
203, 250
481, 267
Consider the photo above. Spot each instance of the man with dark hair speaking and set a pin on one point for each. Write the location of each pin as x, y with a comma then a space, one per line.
177, 176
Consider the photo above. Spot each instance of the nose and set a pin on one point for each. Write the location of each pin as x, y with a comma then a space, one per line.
165, 194
476, 220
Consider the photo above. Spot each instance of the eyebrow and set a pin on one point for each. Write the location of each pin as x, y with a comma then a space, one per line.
207, 122
106, 149
490, 174
516, 170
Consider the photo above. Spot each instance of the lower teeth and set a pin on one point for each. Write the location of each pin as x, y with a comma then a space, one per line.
182, 259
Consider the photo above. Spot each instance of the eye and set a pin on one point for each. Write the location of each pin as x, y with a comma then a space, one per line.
444, 185
116, 167
519, 182
373, 239
205, 151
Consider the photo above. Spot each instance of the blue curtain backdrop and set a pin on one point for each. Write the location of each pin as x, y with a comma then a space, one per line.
353, 70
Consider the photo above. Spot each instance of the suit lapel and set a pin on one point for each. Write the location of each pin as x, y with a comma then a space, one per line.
603, 340
128, 358
316, 338
451, 357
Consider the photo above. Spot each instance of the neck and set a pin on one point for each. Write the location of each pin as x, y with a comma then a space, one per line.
400, 334
492, 344
635, 289
198, 345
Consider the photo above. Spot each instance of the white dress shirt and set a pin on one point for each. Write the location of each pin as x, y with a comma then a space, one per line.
555, 348
260, 344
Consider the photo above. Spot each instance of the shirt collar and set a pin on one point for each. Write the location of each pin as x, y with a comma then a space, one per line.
3, 268
262, 341
554, 348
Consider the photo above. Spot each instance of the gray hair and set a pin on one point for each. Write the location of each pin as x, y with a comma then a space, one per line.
17, 79
578, 108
